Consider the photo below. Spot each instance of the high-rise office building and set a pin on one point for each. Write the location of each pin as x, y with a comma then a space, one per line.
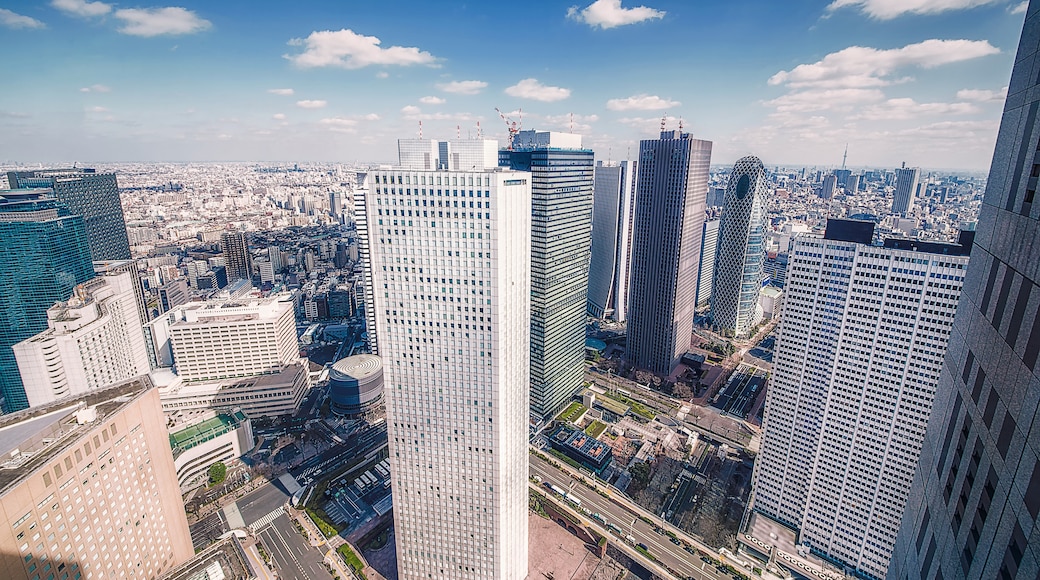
561, 235
453, 155
89, 490
842, 177
738, 261
858, 357
46, 253
975, 498
611, 239
94, 339
227, 339
238, 261
451, 313
666, 243
706, 262
906, 189
107, 267
95, 196
830, 183
173, 294
852, 185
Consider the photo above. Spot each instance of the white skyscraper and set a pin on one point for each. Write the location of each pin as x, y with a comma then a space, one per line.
906, 188
858, 357
613, 205
448, 263
706, 268
94, 339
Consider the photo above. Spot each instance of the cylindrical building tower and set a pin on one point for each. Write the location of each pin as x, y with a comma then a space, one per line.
738, 261
356, 384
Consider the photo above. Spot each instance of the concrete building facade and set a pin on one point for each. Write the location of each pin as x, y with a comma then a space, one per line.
451, 311
88, 489
858, 355
666, 242
94, 339
975, 498
238, 261
906, 189
611, 240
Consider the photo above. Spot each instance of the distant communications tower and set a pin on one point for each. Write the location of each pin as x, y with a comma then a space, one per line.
420, 129
845, 156
664, 118
512, 127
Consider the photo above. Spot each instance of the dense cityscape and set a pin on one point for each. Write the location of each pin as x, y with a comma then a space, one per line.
514, 353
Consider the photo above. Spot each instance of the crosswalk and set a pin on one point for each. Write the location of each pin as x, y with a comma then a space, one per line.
264, 520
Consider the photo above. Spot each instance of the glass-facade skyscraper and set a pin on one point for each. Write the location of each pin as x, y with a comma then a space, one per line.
974, 502
46, 254
561, 245
95, 196
671, 195
740, 254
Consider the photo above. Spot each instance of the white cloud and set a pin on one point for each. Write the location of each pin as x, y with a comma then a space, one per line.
1019, 8
576, 123
283, 92
309, 104
82, 8
825, 99
650, 125
340, 124
410, 110
902, 109
430, 100
532, 89
149, 22
371, 117
463, 87
981, 95
641, 102
382, 74
96, 89
278, 116
860, 66
14, 20
609, 13
348, 49
96, 109
888, 9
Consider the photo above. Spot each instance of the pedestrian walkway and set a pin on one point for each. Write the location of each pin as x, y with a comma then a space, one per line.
264, 520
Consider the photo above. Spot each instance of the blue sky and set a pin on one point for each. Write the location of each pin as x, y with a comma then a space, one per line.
919, 81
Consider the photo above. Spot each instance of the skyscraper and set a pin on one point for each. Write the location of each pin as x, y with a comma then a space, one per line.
46, 253
975, 498
852, 184
94, 339
842, 177
90, 489
611, 239
666, 242
906, 189
235, 246
451, 313
561, 234
95, 196
706, 262
830, 183
858, 357
738, 261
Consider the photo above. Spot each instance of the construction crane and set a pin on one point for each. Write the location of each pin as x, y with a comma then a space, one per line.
512, 127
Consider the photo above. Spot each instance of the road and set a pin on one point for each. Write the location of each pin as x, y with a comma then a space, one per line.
626, 518
290, 554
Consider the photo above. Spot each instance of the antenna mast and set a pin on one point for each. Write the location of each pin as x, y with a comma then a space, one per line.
420, 129
845, 156
663, 118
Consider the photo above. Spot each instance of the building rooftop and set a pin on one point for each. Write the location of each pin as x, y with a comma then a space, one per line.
358, 367
224, 560
206, 430
579, 441
30, 438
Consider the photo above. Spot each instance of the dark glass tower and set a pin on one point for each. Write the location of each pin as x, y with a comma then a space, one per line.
975, 498
561, 245
671, 194
239, 263
95, 196
45, 255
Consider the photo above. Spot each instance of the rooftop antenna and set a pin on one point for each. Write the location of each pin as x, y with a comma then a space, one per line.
480, 134
663, 118
458, 131
609, 153
845, 156
420, 129
680, 124
571, 126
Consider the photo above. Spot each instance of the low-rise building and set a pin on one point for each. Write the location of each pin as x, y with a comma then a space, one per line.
208, 438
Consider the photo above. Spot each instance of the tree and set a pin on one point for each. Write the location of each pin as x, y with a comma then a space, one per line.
640, 473
217, 473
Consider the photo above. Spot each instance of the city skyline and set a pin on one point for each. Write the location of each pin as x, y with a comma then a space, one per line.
922, 83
